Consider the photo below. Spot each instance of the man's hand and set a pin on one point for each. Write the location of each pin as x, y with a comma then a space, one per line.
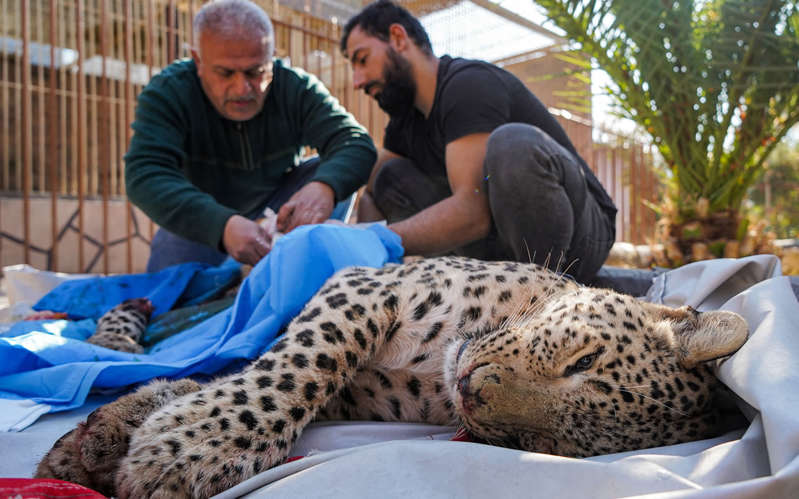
246, 241
310, 205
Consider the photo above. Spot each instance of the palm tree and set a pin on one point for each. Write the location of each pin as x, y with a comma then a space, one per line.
715, 83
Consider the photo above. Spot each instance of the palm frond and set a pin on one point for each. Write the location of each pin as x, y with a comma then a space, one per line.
715, 83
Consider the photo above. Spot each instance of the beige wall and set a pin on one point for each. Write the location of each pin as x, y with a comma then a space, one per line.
65, 248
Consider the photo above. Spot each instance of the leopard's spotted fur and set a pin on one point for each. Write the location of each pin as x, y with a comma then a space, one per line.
121, 327
518, 355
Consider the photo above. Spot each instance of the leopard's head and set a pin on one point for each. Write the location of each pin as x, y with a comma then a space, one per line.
592, 372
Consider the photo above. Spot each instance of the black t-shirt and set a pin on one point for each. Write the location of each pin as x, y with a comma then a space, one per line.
475, 97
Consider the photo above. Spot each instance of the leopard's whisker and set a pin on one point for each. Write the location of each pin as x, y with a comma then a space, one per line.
522, 315
560, 261
569, 266
527, 248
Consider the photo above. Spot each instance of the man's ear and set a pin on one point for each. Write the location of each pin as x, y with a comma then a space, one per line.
398, 37
196, 56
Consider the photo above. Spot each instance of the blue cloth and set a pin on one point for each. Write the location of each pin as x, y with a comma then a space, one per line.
59, 370
181, 285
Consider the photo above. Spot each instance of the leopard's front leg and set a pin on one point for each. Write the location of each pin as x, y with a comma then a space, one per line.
247, 423
90, 454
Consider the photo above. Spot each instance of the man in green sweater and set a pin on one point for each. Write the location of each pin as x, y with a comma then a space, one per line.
217, 139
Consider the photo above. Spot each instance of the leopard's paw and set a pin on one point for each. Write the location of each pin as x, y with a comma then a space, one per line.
103, 440
62, 462
90, 454
148, 471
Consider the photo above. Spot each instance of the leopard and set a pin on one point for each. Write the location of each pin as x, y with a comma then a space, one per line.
518, 355
121, 328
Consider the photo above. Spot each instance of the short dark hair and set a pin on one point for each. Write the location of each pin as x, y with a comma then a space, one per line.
376, 18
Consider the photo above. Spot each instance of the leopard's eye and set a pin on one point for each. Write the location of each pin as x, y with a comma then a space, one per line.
583, 364
462, 349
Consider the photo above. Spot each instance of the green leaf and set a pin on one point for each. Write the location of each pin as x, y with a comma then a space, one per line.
715, 83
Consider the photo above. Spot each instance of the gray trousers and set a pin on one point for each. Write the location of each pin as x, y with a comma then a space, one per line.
541, 208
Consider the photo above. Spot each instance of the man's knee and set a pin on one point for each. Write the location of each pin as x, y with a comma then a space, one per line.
519, 149
517, 134
523, 159
519, 157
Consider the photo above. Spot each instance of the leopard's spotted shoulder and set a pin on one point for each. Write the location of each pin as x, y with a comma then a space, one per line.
472, 290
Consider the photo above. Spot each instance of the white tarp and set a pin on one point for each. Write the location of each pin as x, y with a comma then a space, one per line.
405, 460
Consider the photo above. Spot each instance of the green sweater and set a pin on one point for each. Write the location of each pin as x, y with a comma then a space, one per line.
190, 169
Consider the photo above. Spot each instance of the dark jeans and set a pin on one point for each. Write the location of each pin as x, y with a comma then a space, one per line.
168, 249
541, 208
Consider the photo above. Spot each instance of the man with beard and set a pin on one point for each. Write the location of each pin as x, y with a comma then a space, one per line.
472, 162
217, 139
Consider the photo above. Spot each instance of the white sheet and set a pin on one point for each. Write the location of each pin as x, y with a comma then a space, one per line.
406, 460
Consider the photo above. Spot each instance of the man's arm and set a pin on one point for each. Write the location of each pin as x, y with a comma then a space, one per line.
315, 201
459, 219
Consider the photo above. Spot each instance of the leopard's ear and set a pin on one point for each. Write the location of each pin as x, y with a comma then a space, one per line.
702, 336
